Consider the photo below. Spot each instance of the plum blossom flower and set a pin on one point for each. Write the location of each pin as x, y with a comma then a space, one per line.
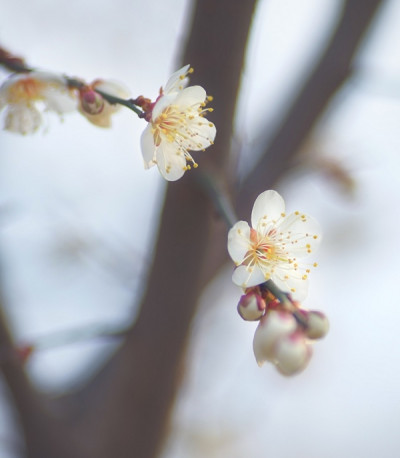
271, 248
25, 96
176, 126
94, 107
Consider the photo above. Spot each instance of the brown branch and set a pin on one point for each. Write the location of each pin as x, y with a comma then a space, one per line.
43, 433
324, 81
129, 405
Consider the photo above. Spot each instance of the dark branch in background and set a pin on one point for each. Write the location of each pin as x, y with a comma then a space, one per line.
13, 63
329, 74
31, 407
129, 404
324, 81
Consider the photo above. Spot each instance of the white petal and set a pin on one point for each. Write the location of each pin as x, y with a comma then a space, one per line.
170, 160
162, 103
302, 234
294, 284
22, 119
177, 81
268, 207
59, 101
48, 77
246, 276
202, 134
239, 241
148, 147
191, 96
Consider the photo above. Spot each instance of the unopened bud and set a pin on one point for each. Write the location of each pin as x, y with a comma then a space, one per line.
317, 325
272, 326
292, 353
251, 307
91, 101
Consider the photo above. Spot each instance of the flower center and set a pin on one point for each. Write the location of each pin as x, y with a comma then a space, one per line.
262, 249
24, 90
172, 126
168, 124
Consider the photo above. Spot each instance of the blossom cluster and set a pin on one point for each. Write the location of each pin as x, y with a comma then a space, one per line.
268, 258
268, 255
176, 120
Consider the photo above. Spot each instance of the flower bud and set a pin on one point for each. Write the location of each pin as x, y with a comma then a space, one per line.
292, 353
317, 325
91, 101
251, 307
272, 326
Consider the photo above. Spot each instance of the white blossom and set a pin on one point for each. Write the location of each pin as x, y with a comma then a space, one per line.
24, 96
271, 248
176, 126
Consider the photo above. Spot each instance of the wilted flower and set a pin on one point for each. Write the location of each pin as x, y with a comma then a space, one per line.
270, 249
94, 107
22, 95
176, 126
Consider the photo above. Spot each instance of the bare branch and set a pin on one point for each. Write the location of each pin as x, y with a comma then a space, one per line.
324, 81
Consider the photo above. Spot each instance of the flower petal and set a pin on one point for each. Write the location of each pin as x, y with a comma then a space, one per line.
302, 234
170, 160
191, 96
59, 101
162, 103
148, 147
246, 276
291, 281
268, 207
177, 81
198, 134
239, 241
22, 119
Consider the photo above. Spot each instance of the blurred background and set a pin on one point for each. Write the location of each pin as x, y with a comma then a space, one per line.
79, 215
